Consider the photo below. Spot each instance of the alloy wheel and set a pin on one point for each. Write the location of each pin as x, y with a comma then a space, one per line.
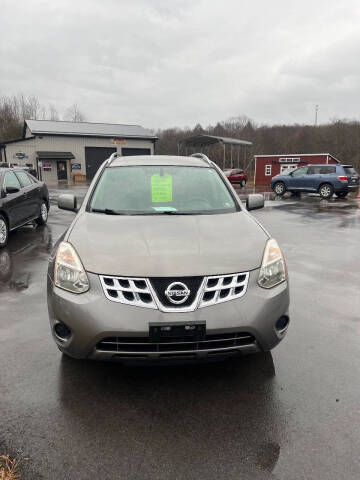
3, 232
279, 188
44, 212
325, 191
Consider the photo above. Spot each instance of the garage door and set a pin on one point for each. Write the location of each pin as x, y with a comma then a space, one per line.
135, 151
94, 157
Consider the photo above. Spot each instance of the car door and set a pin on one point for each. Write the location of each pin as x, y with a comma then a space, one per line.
242, 175
327, 174
296, 179
32, 193
235, 176
231, 176
313, 178
15, 202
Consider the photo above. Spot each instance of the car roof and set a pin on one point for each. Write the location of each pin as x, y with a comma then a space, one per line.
328, 165
9, 169
159, 160
322, 165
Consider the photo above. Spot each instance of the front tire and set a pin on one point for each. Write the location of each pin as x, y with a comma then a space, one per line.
242, 183
326, 191
4, 232
42, 218
279, 188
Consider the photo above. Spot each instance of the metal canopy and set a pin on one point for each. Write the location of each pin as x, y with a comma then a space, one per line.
55, 155
203, 140
206, 141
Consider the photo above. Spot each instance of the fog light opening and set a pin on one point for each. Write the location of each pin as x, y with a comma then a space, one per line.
62, 331
282, 323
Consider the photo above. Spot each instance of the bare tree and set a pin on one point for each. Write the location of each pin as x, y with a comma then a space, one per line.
14, 109
74, 114
53, 114
28, 107
10, 123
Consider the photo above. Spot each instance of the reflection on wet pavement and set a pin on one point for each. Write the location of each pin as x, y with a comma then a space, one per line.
216, 421
27, 246
341, 212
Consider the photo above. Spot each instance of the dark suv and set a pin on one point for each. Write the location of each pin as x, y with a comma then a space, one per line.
323, 179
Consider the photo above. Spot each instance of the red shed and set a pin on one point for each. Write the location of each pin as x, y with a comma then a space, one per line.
267, 166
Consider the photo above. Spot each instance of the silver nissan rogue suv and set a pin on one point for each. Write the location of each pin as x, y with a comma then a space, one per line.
163, 263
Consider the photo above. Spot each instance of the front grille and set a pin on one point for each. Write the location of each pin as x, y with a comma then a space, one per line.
131, 291
161, 284
143, 345
221, 288
150, 292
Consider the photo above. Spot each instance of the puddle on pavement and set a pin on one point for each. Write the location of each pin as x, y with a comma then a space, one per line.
27, 246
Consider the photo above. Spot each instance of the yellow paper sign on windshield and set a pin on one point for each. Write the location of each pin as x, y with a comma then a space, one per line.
161, 188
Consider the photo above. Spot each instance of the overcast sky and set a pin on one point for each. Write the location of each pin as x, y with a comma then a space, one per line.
164, 63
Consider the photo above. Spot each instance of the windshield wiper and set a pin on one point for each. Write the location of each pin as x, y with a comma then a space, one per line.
107, 211
175, 212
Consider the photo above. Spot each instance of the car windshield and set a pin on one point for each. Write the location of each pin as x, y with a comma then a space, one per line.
227, 172
155, 190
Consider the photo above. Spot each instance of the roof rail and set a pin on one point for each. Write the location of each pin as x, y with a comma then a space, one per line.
202, 156
112, 157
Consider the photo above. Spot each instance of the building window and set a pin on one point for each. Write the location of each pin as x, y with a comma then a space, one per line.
286, 168
267, 170
289, 160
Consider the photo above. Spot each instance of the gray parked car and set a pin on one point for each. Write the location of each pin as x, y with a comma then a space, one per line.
164, 263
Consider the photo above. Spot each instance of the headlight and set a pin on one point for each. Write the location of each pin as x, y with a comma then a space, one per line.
273, 269
69, 272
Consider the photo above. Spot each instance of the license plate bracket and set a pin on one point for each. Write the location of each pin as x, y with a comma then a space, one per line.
163, 332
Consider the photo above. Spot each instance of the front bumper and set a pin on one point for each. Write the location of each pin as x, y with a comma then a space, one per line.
92, 318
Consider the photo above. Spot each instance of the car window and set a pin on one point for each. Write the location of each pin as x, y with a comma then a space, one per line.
152, 190
350, 171
299, 171
327, 170
314, 170
11, 180
24, 179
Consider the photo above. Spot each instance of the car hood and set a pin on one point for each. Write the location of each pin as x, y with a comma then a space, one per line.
164, 246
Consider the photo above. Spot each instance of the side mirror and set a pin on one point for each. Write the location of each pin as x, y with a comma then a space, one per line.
68, 201
255, 201
12, 190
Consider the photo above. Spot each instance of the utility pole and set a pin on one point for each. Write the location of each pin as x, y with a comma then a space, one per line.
316, 114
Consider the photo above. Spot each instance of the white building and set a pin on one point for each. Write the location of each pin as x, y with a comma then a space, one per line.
60, 150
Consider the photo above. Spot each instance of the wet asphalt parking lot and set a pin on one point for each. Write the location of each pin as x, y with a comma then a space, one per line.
291, 414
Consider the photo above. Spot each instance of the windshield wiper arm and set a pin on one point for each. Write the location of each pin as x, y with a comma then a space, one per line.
176, 212
107, 211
